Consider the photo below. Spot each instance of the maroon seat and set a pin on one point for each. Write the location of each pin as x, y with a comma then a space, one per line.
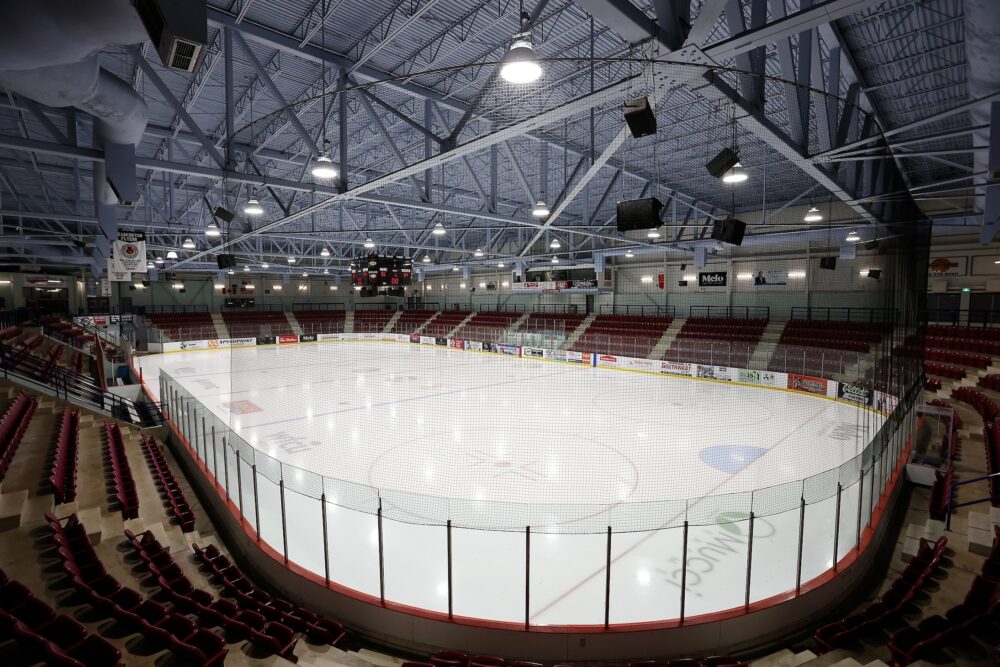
203, 648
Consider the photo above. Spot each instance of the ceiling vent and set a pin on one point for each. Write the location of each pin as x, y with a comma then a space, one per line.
178, 30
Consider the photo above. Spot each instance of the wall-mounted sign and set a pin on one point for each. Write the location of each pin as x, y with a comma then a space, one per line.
942, 267
712, 279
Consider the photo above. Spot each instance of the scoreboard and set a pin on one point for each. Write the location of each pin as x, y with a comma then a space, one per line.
382, 271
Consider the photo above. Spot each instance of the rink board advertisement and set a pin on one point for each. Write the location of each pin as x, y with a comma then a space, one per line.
816, 386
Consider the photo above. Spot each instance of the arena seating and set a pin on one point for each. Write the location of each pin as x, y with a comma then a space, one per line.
990, 346
723, 328
9, 333
717, 353
831, 332
92, 582
940, 491
257, 604
965, 359
320, 321
62, 470
184, 326
248, 324
121, 484
944, 370
60, 638
13, 424
809, 360
488, 326
983, 404
628, 335
932, 385
445, 322
411, 320
990, 382
462, 659
372, 321
890, 606
963, 332
170, 491
991, 442
981, 604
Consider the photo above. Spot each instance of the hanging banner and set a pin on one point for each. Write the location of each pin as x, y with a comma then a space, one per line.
128, 254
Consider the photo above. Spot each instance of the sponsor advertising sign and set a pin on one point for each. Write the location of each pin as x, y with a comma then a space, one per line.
287, 339
474, 345
427, 340
441, 341
854, 394
944, 267
490, 347
456, 343
807, 384
702, 371
186, 345
638, 364
885, 402
503, 348
675, 368
712, 278
414, 338
328, 336
536, 352
608, 360
578, 357
266, 340
307, 338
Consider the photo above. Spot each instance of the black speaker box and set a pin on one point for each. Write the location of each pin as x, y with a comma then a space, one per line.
722, 162
871, 245
640, 117
828, 263
224, 214
682, 283
875, 273
638, 214
226, 261
729, 231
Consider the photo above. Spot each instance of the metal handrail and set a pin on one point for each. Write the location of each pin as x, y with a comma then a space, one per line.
951, 496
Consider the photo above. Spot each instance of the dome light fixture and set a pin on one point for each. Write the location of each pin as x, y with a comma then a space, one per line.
478, 253
555, 260
171, 254
520, 65
326, 272
212, 231
454, 268
305, 275
253, 207
246, 267
322, 168
291, 260
736, 174
813, 215
369, 243
629, 254
438, 230
159, 260
499, 265
653, 234
231, 272
555, 245
324, 252
265, 265
150, 265
541, 209
427, 259
853, 237
188, 244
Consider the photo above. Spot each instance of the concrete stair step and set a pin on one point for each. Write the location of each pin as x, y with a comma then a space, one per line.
784, 658
12, 508
379, 659
828, 659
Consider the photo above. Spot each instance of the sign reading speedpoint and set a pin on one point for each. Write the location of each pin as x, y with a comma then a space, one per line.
712, 279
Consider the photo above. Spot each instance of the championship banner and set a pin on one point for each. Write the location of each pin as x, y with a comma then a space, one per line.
128, 255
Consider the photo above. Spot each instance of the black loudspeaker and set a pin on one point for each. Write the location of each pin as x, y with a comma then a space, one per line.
682, 283
638, 214
223, 214
226, 261
729, 231
640, 117
871, 245
875, 273
828, 263
722, 162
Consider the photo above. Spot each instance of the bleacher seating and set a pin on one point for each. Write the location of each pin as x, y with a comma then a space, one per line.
170, 491
247, 324
809, 360
983, 404
832, 331
723, 328
62, 471
121, 484
320, 321
991, 442
462, 659
965, 359
444, 322
372, 321
990, 382
944, 370
963, 332
980, 346
13, 424
628, 335
488, 326
716, 353
184, 326
890, 606
558, 323
940, 493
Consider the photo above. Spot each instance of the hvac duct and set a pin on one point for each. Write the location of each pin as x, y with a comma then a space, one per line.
982, 25
49, 52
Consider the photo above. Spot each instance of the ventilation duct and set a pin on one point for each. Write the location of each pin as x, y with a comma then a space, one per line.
982, 24
49, 53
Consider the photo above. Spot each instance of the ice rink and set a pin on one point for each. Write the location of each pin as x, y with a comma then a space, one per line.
501, 434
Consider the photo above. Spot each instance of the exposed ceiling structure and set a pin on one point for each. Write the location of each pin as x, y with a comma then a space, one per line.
845, 103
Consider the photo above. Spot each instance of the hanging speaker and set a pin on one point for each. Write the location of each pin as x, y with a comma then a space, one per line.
226, 261
640, 117
638, 214
729, 231
723, 162
223, 214
829, 263
875, 273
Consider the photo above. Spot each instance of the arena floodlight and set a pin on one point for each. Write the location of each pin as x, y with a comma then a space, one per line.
520, 65
427, 259
369, 243
499, 265
555, 245
188, 244
158, 260
253, 207
737, 174
478, 253
555, 260
322, 168
653, 234
246, 267
813, 215
629, 254
541, 209
853, 237
438, 230
171, 254
324, 252
212, 231
265, 265
291, 260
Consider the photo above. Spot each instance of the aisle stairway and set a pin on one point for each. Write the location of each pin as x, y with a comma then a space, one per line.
461, 324
349, 322
669, 334
571, 339
392, 321
293, 322
425, 324
221, 330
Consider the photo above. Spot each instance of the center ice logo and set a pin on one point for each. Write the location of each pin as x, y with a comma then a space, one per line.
730, 458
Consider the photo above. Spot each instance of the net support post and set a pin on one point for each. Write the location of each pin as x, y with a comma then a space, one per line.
684, 570
284, 522
256, 502
326, 540
451, 613
861, 502
239, 486
381, 557
836, 526
798, 558
527, 577
225, 462
607, 584
746, 599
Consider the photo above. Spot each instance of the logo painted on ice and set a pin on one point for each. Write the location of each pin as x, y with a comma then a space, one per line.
730, 458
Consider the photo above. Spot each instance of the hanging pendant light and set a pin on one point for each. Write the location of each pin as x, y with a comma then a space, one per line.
653, 234
736, 174
246, 267
158, 260
265, 265
188, 244
212, 231
324, 252
150, 265
291, 260
253, 207
171, 254
427, 259
478, 253
629, 254
555, 260
853, 237
520, 65
813, 215
322, 168
499, 265
555, 245
438, 230
369, 243
541, 209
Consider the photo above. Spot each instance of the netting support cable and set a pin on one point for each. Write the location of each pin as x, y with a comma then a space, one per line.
836, 526
381, 557
527, 577
326, 539
451, 614
861, 502
284, 519
225, 462
239, 486
684, 570
256, 502
746, 599
607, 584
798, 562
